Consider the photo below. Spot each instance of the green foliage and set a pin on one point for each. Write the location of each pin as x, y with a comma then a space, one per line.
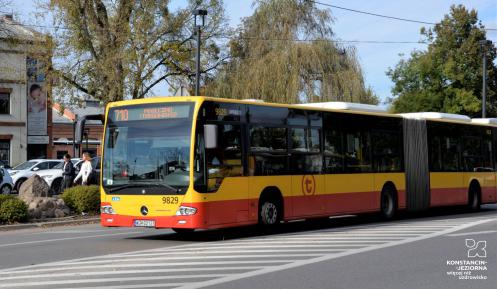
447, 77
4, 198
83, 199
112, 50
13, 210
267, 63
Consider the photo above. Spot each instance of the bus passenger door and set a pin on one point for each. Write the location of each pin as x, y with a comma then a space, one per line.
227, 187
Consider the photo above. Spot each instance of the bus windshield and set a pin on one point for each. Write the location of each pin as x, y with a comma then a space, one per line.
147, 149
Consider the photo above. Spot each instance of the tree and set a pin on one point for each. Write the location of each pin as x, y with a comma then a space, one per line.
113, 50
4, 32
447, 76
285, 52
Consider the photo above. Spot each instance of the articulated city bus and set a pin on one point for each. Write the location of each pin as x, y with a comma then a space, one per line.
200, 163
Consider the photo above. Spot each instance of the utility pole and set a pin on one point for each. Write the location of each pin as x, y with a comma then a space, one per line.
74, 122
198, 23
484, 45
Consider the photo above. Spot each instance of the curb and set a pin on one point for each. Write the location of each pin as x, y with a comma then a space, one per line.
50, 224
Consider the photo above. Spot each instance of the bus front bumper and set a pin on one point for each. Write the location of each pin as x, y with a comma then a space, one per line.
187, 222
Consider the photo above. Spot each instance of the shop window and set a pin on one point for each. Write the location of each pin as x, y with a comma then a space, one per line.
60, 154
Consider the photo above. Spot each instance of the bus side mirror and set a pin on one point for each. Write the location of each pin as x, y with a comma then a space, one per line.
210, 136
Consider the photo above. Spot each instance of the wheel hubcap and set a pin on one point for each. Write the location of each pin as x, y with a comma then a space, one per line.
271, 213
5, 190
387, 205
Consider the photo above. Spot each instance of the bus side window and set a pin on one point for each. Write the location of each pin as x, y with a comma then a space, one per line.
357, 152
306, 147
333, 151
225, 160
268, 151
387, 154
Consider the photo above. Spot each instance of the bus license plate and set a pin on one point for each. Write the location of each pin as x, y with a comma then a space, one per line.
144, 223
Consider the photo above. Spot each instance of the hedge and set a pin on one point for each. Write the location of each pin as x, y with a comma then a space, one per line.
4, 198
12, 210
82, 199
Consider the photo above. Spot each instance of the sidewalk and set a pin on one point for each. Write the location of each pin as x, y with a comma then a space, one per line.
65, 221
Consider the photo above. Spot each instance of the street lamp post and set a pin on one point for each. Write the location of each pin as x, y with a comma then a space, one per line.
75, 121
199, 22
484, 44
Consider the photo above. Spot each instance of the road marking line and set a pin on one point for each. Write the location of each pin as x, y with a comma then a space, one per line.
329, 257
64, 239
200, 251
285, 244
370, 234
472, 233
98, 280
194, 257
55, 263
106, 273
135, 286
145, 265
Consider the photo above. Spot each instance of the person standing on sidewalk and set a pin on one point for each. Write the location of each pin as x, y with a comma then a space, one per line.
85, 171
67, 173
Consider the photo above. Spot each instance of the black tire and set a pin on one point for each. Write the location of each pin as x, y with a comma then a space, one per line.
270, 212
6, 190
56, 186
19, 184
388, 203
183, 231
474, 198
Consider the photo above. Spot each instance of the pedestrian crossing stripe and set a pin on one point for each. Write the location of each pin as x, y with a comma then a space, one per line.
207, 263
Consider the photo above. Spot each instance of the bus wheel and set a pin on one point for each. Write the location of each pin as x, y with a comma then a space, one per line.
388, 206
474, 200
270, 213
183, 231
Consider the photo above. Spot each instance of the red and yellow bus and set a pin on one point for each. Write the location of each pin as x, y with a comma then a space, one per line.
201, 163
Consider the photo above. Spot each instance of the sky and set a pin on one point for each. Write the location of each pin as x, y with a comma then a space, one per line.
375, 59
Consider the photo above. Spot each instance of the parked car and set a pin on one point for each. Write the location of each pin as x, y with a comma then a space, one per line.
6, 183
22, 172
53, 176
4, 165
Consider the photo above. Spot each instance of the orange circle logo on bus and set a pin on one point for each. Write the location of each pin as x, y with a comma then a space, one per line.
308, 185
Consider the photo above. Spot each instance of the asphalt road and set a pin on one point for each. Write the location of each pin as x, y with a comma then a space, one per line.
421, 251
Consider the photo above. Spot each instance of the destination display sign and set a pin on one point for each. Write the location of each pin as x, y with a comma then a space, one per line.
159, 111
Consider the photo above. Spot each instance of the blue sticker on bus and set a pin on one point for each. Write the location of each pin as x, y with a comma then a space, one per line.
116, 199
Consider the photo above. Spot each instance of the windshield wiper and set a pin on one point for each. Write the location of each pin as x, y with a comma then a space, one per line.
143, 185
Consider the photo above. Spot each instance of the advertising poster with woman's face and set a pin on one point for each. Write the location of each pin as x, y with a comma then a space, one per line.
37, 109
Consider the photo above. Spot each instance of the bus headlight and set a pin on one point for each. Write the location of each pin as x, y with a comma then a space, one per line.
186, 211
107, 210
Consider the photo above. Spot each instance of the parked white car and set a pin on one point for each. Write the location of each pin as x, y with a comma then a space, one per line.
22, 172
6, 183
53, 177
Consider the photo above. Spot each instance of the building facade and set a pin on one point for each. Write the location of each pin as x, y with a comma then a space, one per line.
25, 125
63, 123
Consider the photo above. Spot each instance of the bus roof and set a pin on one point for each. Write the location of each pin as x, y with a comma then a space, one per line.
345, 107
338, 105
437, 115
